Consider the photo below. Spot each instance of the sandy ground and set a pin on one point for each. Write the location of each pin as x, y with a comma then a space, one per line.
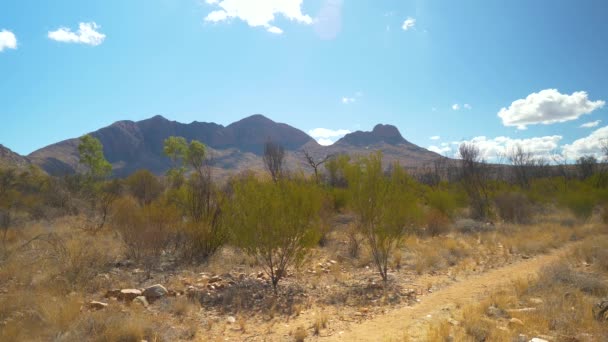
413, 321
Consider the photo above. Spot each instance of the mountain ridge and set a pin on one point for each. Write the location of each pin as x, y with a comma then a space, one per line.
132, 145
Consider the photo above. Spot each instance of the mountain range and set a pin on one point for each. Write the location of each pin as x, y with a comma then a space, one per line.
130, 146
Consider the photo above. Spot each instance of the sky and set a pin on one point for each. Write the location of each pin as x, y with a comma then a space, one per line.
496, 73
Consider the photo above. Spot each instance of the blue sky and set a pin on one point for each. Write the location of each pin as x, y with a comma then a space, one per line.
435, 69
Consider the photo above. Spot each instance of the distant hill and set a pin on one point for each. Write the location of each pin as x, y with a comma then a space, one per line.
130, 145
385, 138
11, 159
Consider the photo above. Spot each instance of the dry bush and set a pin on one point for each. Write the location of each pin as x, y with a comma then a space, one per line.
594, 251
469, 226
440, 332
513, 207
146, 231
540, 238
114, 324
589, 283
199, 240
300, 334
182, 306
354, 241
320, 323
38, 317
437, 223
438, 253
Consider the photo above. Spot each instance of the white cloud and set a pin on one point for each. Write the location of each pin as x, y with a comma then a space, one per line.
325, 136
352, 99
327, 133
408, 23
325, 142
435, 137
591, 124
493, 149
443, 150
258, 13
457, 106
547, 107
275, 30
589, 145
87, 34
7, 40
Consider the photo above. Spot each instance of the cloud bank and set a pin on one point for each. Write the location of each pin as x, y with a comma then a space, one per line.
547, 107
258, 13
87, 34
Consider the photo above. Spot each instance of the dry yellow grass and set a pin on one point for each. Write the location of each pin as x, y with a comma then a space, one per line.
557, 304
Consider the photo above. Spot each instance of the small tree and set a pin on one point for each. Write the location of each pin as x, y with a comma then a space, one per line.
385, 208
336, 167
475, 179
315, 164
90, 150
203, 233
274, 160
144, 186
523, 164
276, 223
586, 166
100, 195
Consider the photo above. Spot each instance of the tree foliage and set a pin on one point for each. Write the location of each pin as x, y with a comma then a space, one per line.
91, 155
144, 186
275, 222
385, 209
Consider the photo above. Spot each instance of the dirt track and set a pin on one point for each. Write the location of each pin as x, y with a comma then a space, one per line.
413, 321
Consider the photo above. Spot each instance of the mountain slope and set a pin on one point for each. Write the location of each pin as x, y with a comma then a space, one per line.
11, 159
130, 146
384, 138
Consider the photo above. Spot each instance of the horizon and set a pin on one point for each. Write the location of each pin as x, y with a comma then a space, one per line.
441, 72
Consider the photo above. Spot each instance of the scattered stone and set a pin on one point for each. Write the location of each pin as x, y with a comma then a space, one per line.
496, 312
333, 262
115, 293
600, 310
515, 322
128, 295
230, 320
155, 292
95, 305
505, 329
537, 339
535, 301
141, 300
521, 310
214, 279
453, 322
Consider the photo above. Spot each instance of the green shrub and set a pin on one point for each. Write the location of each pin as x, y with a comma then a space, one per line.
580, 203
443, 201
